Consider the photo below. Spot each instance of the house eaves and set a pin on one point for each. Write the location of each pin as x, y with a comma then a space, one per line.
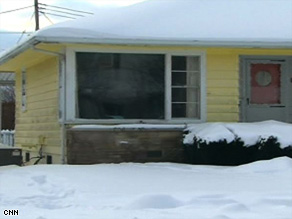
18, 49
267, 44
35, 40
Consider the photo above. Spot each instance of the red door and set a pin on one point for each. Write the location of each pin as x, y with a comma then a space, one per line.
265, 84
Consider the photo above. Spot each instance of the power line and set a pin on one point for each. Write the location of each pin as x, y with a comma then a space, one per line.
23, 32
66, 8
56, 15
16, 9
13, 32
62, 12
48, 18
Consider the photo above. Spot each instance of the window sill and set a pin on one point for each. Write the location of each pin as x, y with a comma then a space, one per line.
129, 122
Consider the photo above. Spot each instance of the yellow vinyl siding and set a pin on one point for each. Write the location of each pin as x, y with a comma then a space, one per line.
222, 86
39, 123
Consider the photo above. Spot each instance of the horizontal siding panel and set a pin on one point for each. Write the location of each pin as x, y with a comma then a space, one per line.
42, 81
222, 100
217, 62
42, 98
223, 117
37, 119
24, 142
222, 92
37, 127
42, 88
44, 69
43, 104
42, 77
52, 112
34, 142
37, 133
44, 95
222, 109
222, 83
227, 74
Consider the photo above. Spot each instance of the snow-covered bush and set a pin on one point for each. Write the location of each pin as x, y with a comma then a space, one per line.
224, 144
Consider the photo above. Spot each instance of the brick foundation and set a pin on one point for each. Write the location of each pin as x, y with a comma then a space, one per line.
116, 146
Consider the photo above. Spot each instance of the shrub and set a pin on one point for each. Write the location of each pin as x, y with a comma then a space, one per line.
233, 153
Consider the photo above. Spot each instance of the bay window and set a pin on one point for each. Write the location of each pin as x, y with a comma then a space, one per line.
136, 86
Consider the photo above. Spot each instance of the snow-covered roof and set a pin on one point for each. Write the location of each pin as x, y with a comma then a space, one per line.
187, 21
213, 23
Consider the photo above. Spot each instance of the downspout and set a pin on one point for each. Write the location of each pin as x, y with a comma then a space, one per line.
62, 95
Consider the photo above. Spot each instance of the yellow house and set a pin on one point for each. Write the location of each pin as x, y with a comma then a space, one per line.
122, 85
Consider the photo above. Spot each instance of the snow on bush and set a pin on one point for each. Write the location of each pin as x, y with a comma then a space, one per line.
249, 133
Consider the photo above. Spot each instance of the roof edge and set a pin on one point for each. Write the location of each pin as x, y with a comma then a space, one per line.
273, 44
16, 50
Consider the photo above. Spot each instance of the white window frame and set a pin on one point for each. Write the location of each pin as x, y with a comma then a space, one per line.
23, 90
71, 86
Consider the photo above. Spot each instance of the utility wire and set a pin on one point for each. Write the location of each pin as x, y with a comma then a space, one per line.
56, 15
58, 11
48, 18
15, 9
12, 32
66, 8
23, 32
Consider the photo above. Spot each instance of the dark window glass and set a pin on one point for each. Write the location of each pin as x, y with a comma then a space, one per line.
179, 110
178, 63
179, 94
120, 86
179, 78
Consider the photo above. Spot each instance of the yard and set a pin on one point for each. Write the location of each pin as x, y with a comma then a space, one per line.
257, 190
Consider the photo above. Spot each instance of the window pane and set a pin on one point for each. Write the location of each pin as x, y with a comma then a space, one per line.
185, 95
185, 86
120, 86
185, 110
179, 110
178, 63
179, 94
179, 78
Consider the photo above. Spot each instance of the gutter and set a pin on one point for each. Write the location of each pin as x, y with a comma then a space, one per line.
176, 42
33, 41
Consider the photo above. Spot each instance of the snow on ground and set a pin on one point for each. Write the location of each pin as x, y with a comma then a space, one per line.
249, 133
149, 191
